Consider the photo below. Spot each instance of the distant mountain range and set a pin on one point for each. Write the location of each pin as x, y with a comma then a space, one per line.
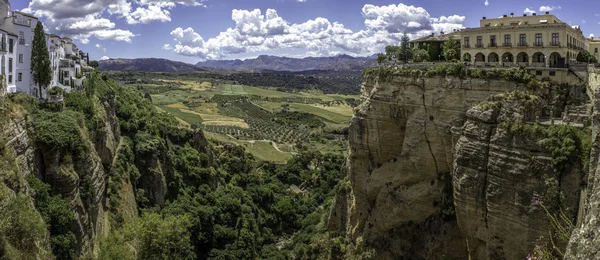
261, 63
148, 65
274, 63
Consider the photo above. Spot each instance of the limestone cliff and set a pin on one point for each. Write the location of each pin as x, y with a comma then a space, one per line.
501, 175
585, 239
401, 157
432, 175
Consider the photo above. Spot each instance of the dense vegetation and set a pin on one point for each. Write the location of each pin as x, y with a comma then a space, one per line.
338, 82
218, 202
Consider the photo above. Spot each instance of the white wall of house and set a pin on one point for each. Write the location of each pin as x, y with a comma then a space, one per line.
24, 26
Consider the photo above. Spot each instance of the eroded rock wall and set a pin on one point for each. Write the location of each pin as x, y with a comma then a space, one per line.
401, 157
500, 180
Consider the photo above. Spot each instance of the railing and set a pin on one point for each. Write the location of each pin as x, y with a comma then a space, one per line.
523, 63
479, 45
555, 44
3, 47
466, 46
492, 45
507, 44
539, 44
538, 64
21, 41
522, 44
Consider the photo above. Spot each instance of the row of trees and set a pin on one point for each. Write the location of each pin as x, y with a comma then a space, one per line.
404, 52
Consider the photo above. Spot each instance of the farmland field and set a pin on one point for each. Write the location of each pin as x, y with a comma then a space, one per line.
271, 123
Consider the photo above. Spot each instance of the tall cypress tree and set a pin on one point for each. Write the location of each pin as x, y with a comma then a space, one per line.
40, 59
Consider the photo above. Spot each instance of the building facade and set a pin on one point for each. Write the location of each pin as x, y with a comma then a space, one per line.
530, 41
24, 26
594, 47
17, 30
433, 44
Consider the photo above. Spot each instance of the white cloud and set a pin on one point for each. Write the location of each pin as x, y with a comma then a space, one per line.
486, 3
582, 21
104, 58
591, 35
81, 19
546, 8
256, 32
528, 11
99, 46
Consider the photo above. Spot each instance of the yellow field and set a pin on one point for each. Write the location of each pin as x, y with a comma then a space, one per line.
261, 150
177, 105
227, 123
219, 120
342, 110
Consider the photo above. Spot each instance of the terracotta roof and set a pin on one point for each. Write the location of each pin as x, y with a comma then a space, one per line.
438, 38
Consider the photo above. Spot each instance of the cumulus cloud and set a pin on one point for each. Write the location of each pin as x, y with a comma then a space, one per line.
528, 11
546, 8
591, 35
258, 32
82, 19
486, 3
104, 58
99, 46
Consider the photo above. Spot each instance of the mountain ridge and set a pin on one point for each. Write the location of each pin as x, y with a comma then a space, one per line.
277, 63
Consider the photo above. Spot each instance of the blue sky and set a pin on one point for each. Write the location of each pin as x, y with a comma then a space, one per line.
194, 30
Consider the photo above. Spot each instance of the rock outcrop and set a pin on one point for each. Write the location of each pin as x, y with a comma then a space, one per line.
401, 157
434, 176
500, 179
586, 238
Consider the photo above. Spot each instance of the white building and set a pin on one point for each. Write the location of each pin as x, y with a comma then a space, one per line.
24, 26
17, 30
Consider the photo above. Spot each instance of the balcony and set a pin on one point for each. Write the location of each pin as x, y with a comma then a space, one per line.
507, 44
555, 44
539, 44
2, 47
492, 45
466, 46
479, 45
522, 44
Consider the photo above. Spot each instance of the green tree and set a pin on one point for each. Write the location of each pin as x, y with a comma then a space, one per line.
392, 52
451, 50
94, 64
585, 56
420, 55
405, 51
381, 58
40, 59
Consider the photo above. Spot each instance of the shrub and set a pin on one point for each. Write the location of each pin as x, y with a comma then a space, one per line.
55, 91
60, 131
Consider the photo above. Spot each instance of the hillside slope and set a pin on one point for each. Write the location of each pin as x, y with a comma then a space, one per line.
148, 65
266, 62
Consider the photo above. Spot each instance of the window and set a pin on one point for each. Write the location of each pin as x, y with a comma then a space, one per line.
555, 41
28, 21
9, 78
52, 41
493, 41
538, 39
11, 44
596, 50
20, 77
507, 40
467, 42
538, 72
10, 61
522, 40
20, 58
21, 38
479, 41
552, 73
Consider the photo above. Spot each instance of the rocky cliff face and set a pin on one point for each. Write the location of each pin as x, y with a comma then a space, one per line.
585, 239
433, 176
499, 179
401, 157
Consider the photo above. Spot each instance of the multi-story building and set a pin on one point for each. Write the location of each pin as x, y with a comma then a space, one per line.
17, 30
528, 40
594, 47
24, 26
